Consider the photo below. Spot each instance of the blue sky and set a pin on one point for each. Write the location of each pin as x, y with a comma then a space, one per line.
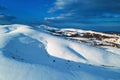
60, 11
26, 10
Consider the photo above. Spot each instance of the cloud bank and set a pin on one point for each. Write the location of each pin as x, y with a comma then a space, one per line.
6, 19
2, 8
80, 10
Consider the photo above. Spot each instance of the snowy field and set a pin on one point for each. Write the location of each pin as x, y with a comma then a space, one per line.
27, 53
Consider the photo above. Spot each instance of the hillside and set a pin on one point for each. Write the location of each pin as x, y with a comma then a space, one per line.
45, 53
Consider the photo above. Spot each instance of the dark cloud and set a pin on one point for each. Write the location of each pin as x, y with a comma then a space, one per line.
84, 9
98, 15
5, 19
88, 6
2, 7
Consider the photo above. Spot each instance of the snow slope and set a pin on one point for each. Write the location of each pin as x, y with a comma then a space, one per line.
30, 54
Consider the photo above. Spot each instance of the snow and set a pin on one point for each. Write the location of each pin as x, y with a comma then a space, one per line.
113, 50
84, 31
30, 54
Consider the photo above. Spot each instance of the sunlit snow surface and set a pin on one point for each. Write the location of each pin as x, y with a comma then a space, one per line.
30, 54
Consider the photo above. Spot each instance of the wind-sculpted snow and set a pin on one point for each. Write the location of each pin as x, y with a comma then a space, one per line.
30, 54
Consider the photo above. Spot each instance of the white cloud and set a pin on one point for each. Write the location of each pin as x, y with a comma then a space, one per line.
58, 18
61, 4
2, 16
52, 18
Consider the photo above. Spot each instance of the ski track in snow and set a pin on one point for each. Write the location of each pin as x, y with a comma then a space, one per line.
29, 54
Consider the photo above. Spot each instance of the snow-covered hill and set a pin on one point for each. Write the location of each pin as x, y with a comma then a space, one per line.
27, 53
92, 37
